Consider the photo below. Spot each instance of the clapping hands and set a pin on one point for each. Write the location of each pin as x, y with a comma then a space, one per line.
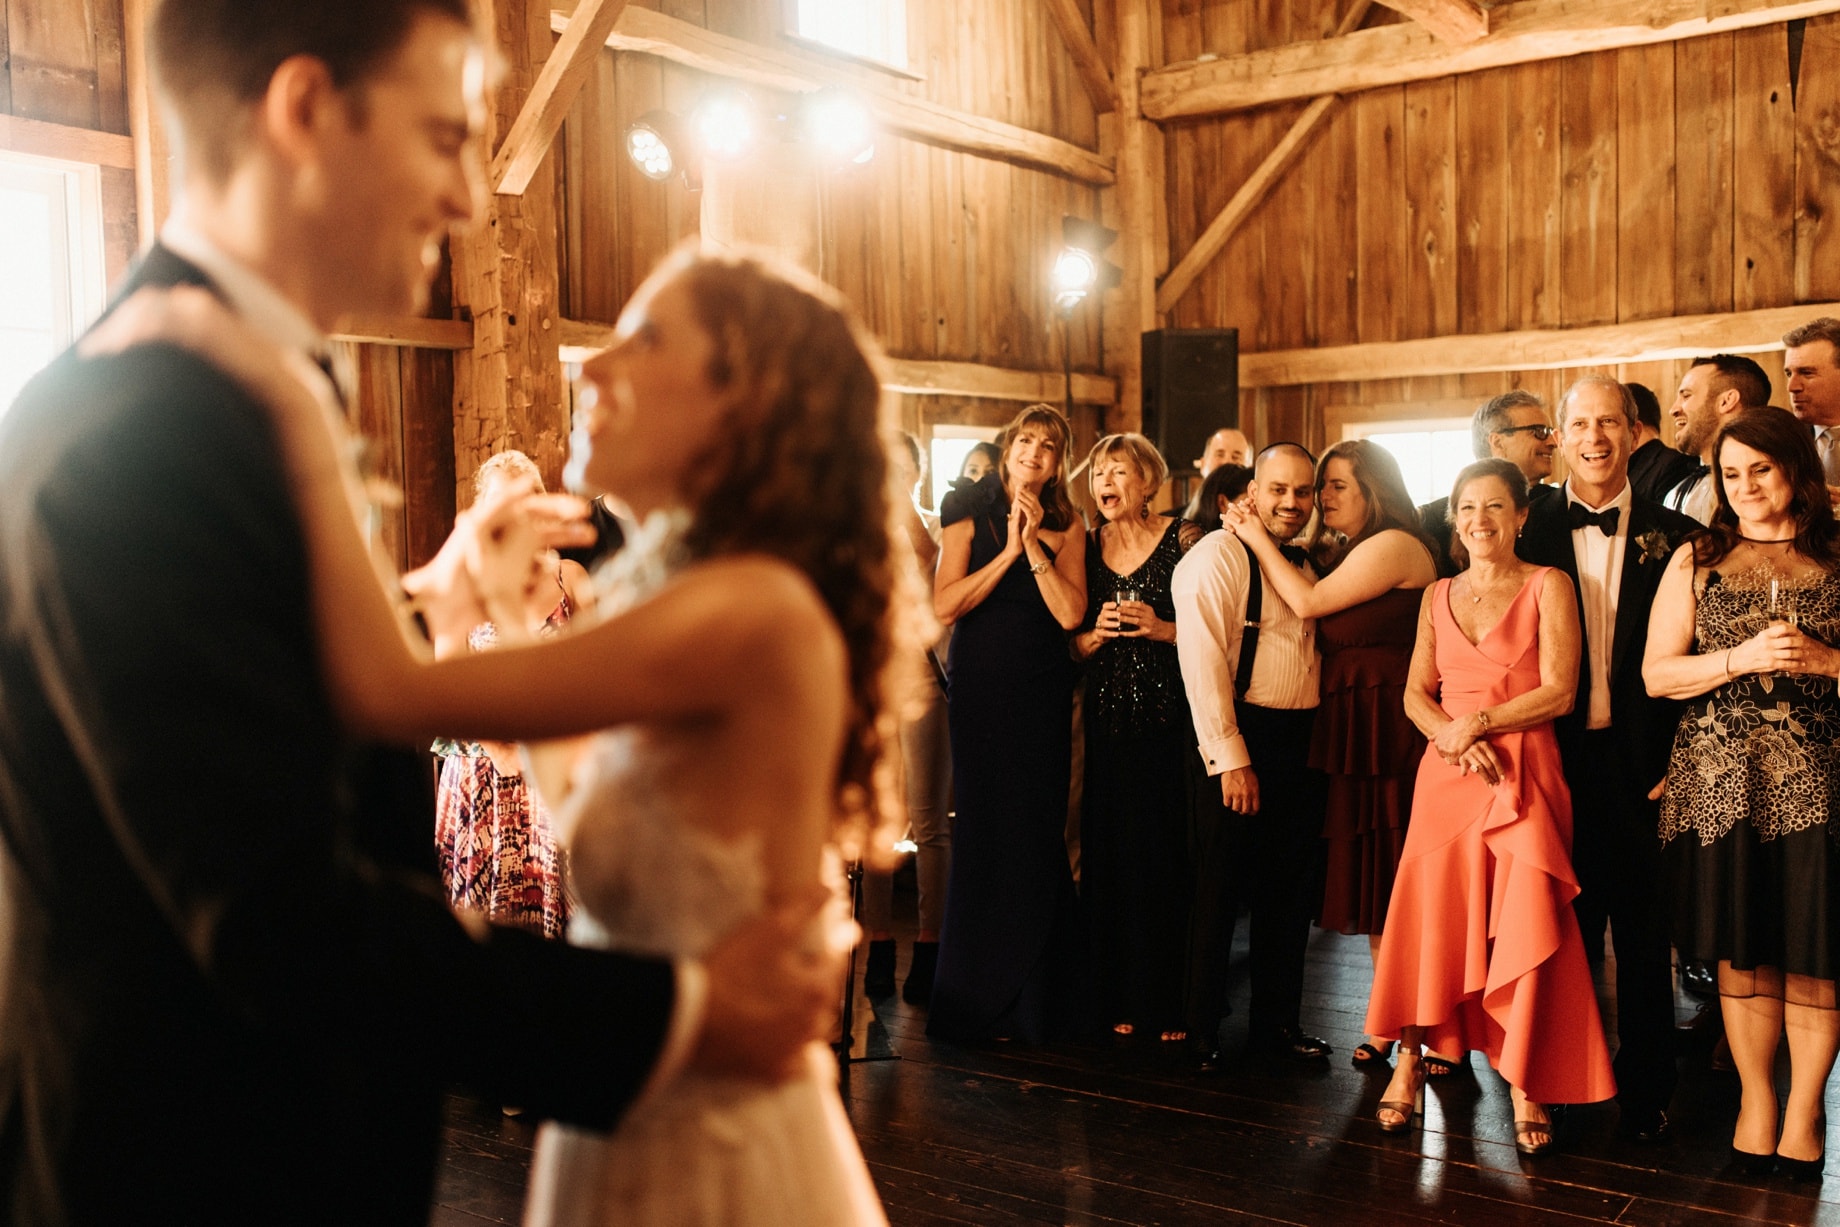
499, 551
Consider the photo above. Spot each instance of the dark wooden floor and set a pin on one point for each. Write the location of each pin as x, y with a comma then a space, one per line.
1103, 1135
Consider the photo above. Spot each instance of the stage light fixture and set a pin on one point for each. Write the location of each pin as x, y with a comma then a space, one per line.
726, 124
839, 125
1075, 273
657, 145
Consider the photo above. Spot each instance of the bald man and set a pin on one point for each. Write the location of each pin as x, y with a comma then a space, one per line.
1224, 446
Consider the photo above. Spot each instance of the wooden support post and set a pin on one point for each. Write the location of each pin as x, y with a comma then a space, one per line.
152, 155
508, 386
1139, 202
1086, 60
563, 73
1450, 21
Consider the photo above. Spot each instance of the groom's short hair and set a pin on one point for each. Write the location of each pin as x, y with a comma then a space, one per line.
212, 59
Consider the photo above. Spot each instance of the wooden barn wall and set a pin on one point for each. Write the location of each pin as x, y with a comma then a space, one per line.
1626, 185
944, 255
62, 62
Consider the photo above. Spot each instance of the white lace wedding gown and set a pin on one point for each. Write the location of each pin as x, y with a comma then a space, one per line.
700, 1151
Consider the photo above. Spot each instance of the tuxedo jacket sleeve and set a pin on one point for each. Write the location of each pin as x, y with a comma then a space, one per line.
170, 788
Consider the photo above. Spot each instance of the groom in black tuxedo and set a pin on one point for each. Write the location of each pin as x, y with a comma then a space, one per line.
213, 1009
1615, 545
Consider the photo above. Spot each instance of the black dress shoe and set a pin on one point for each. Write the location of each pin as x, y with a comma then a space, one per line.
1646, 1126
1209, 1061
878, 975
1294, 1044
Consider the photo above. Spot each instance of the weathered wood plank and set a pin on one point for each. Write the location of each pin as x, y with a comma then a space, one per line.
1644, 182
1333, 170
651, 33
1534, 349
51, 61
1140, 199
1587, 151
1428, 305
1522, 32
1703, 202
1482, 202
1763, 179
1817, 164
568, 66
1381, 223
404, 331
1535, 196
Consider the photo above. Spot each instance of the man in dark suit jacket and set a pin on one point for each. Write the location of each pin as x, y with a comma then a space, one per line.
1615, 743
1515, 427
213, 1008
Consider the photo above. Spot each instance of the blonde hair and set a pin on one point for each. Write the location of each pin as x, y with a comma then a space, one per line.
1138, 450
1057, 511
803, 473
506, 465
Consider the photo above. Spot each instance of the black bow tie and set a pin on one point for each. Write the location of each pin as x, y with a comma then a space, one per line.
1583, 517
1294, 554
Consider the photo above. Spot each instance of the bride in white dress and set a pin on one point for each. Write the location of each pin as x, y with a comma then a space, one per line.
743, 675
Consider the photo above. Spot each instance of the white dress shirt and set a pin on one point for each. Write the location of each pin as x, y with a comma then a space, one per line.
269, 312
1600, 580
1209, 588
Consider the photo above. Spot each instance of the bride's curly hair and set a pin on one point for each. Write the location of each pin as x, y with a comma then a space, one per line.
801, 471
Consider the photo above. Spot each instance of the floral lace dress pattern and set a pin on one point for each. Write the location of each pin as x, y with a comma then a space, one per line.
1748, 819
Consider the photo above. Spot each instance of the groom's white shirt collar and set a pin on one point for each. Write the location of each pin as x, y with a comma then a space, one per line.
249, 294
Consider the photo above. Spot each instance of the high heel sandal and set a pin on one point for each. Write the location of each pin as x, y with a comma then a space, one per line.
1411, 1112
1525, 1130
1371, 1056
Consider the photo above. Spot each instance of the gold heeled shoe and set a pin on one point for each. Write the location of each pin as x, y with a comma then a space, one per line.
1411, 1112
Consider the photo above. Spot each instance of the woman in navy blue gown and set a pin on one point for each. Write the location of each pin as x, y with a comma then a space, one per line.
1012, 581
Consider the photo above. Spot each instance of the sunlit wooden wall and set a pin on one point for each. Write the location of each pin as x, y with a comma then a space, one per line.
1626, 185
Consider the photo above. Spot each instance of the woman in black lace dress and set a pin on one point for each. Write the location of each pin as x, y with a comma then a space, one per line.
1134, 821
1012, 581
1741, 629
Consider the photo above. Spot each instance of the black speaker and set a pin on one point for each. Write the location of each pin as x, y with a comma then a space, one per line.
1191, 390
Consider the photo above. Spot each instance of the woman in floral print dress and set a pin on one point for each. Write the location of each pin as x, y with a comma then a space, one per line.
1741, 629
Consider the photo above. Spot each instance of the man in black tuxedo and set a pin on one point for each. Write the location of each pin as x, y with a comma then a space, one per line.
213, 1009
1615, 742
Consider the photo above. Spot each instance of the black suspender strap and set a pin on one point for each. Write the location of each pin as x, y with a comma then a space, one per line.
1249, 637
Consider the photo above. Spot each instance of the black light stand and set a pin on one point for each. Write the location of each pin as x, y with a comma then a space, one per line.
874, 1045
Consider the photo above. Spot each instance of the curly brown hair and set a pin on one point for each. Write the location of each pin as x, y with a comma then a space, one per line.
801, 471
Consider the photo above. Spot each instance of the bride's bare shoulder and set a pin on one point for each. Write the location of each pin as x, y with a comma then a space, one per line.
765, 603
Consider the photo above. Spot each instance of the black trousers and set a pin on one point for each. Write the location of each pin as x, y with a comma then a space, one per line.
1271, 861
1617, 854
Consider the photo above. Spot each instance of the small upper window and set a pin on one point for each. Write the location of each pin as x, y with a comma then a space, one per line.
870, 29
50, 262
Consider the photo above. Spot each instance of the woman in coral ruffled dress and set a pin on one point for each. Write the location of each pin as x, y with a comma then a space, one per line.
1481, 949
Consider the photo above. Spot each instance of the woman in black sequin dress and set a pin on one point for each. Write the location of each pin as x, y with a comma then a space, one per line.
1750, 821
1134, 821
1011, 580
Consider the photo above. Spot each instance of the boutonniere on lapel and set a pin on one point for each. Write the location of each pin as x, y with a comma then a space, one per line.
1654, 545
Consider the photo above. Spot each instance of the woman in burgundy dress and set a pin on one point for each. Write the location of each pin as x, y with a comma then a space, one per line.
1366, 606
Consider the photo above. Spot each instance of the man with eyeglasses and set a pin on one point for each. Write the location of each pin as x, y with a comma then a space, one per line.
1516, 427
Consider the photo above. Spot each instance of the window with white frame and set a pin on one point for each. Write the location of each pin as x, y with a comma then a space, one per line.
1430, 453
870, 29
51, 262
946, 456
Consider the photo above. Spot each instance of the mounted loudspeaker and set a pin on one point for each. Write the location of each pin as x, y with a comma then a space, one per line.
1191, 390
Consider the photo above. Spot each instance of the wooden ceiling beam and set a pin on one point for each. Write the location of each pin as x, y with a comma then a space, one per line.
1522, 32
1085, 52
646, 32
1257, 186
563, 74
1450, 21
1661, 340
61, 141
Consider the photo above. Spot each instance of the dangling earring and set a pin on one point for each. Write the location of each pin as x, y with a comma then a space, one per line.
1143, 510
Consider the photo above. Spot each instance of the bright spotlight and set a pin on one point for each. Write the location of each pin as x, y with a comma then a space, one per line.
1075, 273
840, 126
725, 124
655, 143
